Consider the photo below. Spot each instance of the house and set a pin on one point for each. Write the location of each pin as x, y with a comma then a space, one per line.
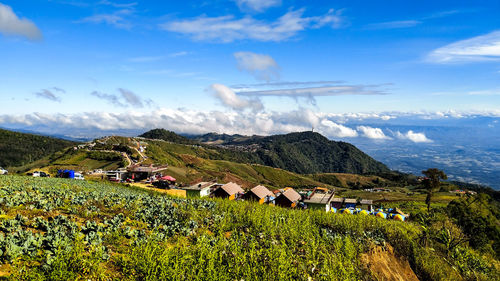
320, 200
229, 190
289, 198
138, 172
200, 189
350, 203
337, 202
366, 204
259, 193
116, 175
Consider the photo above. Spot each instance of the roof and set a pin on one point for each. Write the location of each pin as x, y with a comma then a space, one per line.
145, 169
349, 200
366, 202
320, 198
200, 185
338, 199
232, 188
261, 191
291, 195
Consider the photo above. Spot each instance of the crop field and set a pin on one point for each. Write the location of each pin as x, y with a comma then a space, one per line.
59, 229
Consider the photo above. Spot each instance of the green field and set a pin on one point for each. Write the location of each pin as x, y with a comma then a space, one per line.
58, 229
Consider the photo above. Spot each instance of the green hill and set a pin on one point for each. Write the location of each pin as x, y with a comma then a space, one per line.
303, 152
17, 149
162, 134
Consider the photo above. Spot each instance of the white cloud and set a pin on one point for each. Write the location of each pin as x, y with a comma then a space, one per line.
257, 5
262, 67
229, 98
228, 28
372, 133
393, 24
480, 48
126, 98
117, 5
116, 19
332, 129
12, 25
414, 137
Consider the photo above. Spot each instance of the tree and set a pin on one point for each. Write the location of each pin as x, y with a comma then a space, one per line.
432, 183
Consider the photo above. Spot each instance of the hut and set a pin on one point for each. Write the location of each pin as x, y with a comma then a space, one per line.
230, 190
138, 172
337, 202
259, 193
320, 201
366, 204
289, 198
350, 203
200, 189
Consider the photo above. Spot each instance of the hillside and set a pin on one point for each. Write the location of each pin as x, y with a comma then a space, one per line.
58, 229
303, 152
17, 149
162, 134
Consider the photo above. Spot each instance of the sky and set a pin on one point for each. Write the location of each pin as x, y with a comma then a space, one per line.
248, 66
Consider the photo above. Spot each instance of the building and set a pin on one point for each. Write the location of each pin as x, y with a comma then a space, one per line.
320, 201
289, 198
350, 203
366, 204
138, 173
229, 190
259, 193
337, 202
116, 175
200, 189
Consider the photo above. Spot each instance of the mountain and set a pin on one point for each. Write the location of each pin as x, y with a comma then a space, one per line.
162, 134
17, 149
302, 152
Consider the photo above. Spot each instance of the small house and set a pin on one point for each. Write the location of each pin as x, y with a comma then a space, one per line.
366, 204
200, 189
337, 202
350, 203
259, 193
320, 201
138, 172
229, 190
289, 198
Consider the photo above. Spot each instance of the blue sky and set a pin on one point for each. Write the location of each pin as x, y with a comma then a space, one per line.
247, 66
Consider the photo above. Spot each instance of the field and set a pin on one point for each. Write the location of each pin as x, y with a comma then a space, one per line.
58, 229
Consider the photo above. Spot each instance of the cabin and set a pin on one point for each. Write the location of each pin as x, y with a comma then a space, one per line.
200, 189
337, 202
259, 193
289, 198
229, 190
320, 200
350, 203
366, 204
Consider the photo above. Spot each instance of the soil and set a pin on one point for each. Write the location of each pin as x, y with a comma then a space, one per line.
384, 265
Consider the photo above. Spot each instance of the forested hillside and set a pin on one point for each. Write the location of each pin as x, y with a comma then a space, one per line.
17, 149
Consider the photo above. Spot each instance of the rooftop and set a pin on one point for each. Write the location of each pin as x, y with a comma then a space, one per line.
232, 188
320, 198
261, 191
200, 185
291, 195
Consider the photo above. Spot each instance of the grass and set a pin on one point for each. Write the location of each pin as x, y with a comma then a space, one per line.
79, 230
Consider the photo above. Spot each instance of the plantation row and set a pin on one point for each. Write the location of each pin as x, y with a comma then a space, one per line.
57, 229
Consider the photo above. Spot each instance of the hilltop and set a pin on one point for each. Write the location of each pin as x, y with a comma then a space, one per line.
302, 152
17, 149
